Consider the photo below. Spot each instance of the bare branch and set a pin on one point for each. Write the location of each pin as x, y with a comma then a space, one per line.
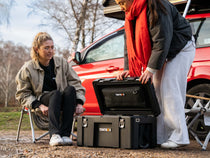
74, 12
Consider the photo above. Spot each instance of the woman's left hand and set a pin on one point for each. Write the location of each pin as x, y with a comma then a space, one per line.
79, 109
144, 78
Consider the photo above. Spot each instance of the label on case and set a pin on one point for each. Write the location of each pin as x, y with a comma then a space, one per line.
105, 129
119, 94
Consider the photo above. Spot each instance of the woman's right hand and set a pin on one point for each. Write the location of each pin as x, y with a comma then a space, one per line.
44, 109
122, 75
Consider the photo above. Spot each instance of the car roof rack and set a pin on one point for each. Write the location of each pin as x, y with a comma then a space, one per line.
112, 10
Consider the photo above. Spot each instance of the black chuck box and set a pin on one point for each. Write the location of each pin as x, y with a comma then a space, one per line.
129, 121
126, 97
130, 132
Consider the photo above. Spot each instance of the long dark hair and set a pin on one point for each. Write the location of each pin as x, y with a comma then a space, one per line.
153, 6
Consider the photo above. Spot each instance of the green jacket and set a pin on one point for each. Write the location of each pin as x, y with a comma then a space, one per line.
30, 80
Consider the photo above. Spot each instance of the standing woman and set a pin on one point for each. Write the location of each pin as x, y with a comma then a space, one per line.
49, 83
160, 47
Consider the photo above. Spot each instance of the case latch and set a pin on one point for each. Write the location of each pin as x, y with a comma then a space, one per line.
138, 120
84, 122
122, 123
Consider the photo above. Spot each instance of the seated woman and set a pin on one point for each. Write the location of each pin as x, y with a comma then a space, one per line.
49, 83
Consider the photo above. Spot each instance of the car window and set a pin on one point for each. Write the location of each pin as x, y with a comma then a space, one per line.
202, 30
110, 48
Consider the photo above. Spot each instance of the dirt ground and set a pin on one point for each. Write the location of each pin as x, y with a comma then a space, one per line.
26, 149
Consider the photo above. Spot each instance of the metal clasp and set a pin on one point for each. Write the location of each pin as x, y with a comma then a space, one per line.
138, 120
84, 122
122, 123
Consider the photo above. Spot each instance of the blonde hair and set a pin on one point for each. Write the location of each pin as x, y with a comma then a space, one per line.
37, 42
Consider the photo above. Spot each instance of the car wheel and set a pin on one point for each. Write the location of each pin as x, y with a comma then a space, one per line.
202, 90
41, 121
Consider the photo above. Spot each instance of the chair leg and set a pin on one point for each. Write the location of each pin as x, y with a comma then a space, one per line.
31, 124
72, 129
43, 135
19, 125
73, 135
203, 145
32, 127
206, 141
194, 119
196, 137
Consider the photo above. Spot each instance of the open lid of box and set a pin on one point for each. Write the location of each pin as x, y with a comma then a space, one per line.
126, 97
112, 10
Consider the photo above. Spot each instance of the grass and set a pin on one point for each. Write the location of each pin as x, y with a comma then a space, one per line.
10, 109
10, 121
10, 116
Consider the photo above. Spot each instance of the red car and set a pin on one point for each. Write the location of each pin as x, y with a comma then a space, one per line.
105, 58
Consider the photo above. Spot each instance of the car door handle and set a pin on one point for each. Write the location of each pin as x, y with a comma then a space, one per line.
112, 68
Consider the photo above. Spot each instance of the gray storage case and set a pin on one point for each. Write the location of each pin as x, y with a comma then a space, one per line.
130, 110
117, 131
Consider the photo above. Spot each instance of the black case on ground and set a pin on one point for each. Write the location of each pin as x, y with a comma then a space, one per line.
126, 97
129, 121
117, 131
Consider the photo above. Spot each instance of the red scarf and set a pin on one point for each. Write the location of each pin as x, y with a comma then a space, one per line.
139, 49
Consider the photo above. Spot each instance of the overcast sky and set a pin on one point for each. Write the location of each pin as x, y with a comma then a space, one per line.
23, 28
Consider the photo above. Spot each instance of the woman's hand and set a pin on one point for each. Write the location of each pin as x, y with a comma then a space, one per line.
144, 78
122, 75
44, 109
79, 109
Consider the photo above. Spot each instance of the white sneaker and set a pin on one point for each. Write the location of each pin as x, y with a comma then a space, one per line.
171, 145
66, 140
56, 140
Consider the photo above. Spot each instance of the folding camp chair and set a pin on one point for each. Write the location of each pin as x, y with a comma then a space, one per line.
193, 114
29, 112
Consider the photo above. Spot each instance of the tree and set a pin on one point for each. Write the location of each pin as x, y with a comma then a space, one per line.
80, 21
12, 58
94, 20
5, 7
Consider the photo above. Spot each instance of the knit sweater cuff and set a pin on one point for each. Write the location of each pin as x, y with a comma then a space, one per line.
79, 101
36, 104
151, 70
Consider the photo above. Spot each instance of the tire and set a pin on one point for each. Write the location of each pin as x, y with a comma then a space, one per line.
202, 90
41, 121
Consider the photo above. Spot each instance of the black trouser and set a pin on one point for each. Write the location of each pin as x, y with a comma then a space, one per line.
60, 101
